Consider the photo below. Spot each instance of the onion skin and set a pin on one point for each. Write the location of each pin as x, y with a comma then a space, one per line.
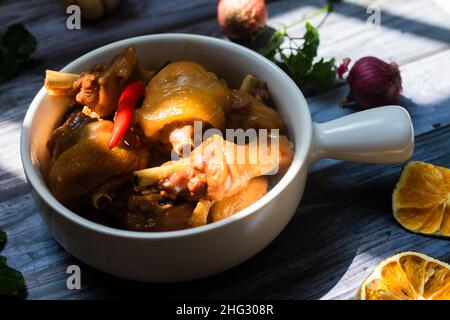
373, 82
239, 19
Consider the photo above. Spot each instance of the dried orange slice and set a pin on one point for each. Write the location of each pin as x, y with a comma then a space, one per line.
421, 199
407, 276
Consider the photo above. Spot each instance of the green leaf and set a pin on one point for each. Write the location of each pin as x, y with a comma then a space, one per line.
11, 282
299, 64
258, 33
19, 41
9, 68
273, 45
311, 43
321, 78
297, 60
3, 238
312, 78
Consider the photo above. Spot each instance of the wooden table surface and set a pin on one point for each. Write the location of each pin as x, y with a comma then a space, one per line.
344, 224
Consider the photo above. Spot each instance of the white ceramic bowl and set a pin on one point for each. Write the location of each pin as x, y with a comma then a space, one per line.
382, 135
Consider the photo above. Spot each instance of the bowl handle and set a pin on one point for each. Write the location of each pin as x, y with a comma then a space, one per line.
379, 135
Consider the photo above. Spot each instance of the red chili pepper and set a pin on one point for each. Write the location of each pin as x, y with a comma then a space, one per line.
127, 101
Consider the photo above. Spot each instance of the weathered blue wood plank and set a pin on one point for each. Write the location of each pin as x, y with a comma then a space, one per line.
344, 225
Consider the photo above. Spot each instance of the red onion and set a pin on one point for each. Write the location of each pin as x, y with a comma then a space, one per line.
240, 18
373, 82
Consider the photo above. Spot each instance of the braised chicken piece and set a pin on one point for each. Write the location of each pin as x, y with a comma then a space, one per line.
99, 88
216, 171
150, 213
179, 94
248, 112
183, 92
211, 211
256, 88
250, 107
147, 212
255, 190
87, 162
217, 168
67, 134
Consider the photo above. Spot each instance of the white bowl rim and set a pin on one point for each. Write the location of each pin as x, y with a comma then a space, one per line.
34, 177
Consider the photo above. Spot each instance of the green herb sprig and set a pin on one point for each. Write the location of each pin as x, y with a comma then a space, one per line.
16, 46
3, 238
12, 282
299, 57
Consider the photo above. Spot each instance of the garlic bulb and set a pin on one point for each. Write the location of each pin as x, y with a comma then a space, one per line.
93, 9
